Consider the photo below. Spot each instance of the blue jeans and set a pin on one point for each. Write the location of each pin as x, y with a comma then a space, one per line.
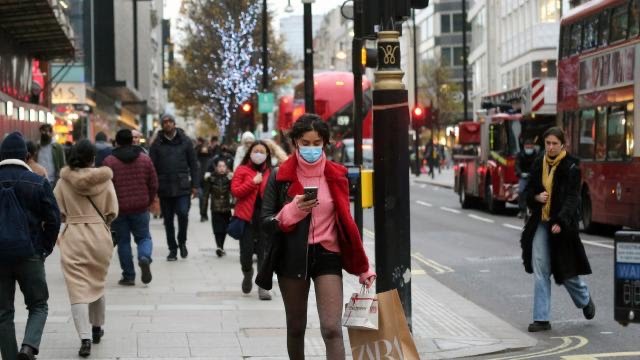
138, 225
171, 206
541, 260
522, 197
30, 275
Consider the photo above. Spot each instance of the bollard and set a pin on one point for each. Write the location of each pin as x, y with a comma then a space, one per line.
626, 297
366, 184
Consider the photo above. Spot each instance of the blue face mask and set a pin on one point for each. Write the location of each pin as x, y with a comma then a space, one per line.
310, 154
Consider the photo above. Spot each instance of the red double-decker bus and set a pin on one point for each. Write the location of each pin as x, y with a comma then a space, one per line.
333, 102
598, 90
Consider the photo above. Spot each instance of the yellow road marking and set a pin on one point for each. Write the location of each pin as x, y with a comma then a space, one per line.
438, 268
566, 346
634, 354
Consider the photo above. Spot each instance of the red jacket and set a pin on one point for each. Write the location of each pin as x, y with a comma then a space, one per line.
354, 258
134, 178
245, 191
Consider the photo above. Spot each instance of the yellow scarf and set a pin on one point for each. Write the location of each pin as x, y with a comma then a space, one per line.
547, 180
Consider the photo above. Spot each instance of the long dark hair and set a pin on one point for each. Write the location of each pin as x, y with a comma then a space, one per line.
247, 156
82, 155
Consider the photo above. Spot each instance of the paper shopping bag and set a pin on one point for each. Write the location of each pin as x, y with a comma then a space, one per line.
361, 312
392, 340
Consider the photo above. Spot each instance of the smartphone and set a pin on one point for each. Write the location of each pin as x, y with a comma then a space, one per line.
310, 193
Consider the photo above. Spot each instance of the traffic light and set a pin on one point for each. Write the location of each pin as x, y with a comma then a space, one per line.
246, 117
418, 115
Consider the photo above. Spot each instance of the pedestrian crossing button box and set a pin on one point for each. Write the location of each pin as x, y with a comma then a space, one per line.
353, 173
627, 277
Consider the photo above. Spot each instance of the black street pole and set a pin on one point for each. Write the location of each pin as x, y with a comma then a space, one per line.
309, 103
265, 61
391, 178
357, 67
416, 141
465, 90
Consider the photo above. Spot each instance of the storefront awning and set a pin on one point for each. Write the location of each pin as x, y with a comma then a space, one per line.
38, 27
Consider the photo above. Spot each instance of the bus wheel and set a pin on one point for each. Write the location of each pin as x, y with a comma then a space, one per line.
465, 201
586, 212
494, 206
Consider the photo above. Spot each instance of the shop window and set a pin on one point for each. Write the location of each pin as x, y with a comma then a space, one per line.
543, 69
601, 135
576, 38
619, 17
634, 18
586, 142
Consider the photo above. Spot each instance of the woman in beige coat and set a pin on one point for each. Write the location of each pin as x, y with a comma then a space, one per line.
85, 243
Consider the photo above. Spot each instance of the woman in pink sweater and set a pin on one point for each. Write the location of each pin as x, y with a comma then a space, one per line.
311, 239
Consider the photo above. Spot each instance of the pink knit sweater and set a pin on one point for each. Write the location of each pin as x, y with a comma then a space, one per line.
323, 229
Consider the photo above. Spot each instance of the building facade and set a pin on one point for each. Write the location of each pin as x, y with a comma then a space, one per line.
333, 42
439, 43
513, 54
117, 78
32, 35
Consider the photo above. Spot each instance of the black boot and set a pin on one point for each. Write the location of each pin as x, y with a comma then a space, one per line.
97, 333
183, 251
173, 255
27, 353
539, 326
247, 281
85, 348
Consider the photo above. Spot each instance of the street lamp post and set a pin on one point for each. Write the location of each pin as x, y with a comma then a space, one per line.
265, 61
309, 103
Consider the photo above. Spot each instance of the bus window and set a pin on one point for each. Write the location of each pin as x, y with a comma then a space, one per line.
586, 141
619, 18
576, 37
566, 41
603, 36
615, 134
601, 135
634, 21
629, 133
590, 39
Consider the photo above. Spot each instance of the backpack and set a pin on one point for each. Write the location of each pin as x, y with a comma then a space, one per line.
15, 239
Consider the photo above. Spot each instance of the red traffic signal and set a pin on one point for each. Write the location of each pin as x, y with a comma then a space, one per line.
417, 117
246, 107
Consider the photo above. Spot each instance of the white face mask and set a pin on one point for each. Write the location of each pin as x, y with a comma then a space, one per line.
258, 158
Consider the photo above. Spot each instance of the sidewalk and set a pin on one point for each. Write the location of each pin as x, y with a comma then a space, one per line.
194, 308
443, 179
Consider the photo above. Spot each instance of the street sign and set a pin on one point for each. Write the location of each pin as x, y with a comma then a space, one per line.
627, 277
265, 102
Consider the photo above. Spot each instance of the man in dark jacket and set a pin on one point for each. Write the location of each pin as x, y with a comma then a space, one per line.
178, 177
524, 160
39, 206
50, 153
103, 148
136, 184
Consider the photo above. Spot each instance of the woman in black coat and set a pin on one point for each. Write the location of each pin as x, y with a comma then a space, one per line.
550, 241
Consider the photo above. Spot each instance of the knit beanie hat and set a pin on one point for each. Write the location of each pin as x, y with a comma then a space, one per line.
13, 147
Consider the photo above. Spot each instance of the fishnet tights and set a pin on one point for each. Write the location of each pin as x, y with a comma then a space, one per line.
295, 294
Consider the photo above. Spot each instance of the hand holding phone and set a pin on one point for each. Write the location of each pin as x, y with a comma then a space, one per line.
310, 193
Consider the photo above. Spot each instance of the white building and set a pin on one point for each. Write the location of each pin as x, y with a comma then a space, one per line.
513, 53
292, 31
439, 36
332, 43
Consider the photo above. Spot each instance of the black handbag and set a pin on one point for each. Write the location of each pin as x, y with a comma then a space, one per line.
236, 227
114, 238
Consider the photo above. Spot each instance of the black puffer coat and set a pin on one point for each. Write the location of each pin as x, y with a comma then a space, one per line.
176, 164
568, 257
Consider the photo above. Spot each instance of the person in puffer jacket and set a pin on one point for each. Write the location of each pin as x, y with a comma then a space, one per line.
136, 184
